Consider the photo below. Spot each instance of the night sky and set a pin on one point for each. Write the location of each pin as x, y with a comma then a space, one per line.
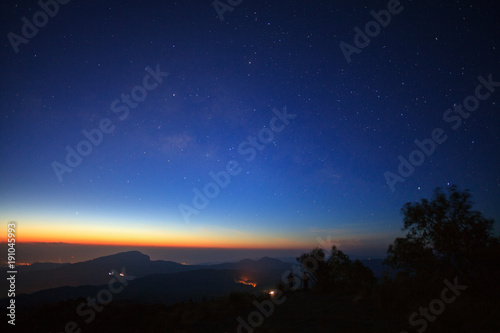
287, 120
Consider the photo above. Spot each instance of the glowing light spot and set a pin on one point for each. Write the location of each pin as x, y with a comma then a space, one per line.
244, 280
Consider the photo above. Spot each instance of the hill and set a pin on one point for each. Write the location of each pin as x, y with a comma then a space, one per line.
156, 288
41, 276
93, 272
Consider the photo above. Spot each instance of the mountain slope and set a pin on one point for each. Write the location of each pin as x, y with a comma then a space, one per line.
266, 272
156, 288
95, 271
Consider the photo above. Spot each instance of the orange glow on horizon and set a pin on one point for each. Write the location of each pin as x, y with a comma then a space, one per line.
173, 245
151, 235
105, 235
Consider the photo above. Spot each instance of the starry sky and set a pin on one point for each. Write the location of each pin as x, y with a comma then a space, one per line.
256, 125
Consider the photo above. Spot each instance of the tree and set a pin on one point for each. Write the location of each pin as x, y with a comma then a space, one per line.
361, 278
338, 272
314, 262
445, 233
339, 265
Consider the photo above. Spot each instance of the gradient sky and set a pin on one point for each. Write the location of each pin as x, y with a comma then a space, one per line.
321, 175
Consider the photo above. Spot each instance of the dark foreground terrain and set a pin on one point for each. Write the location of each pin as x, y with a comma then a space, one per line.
297, 311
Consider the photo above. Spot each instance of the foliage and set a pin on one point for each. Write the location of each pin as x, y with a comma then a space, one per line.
446, 239
338, 272
444, 235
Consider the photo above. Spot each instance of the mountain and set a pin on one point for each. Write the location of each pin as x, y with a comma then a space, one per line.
156, 288
171, 288
93, 272
266, 272
263, 264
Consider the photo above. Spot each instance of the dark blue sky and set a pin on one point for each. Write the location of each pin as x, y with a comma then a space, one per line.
321, 172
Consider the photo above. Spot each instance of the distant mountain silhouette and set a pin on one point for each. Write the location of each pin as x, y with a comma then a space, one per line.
266, 272
263, 264
156, 288
40, 276
167, 283
93, 272
171, 288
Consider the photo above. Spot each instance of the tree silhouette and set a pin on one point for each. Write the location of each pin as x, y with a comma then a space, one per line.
339, 265
314, 262
445, 234
337, 272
